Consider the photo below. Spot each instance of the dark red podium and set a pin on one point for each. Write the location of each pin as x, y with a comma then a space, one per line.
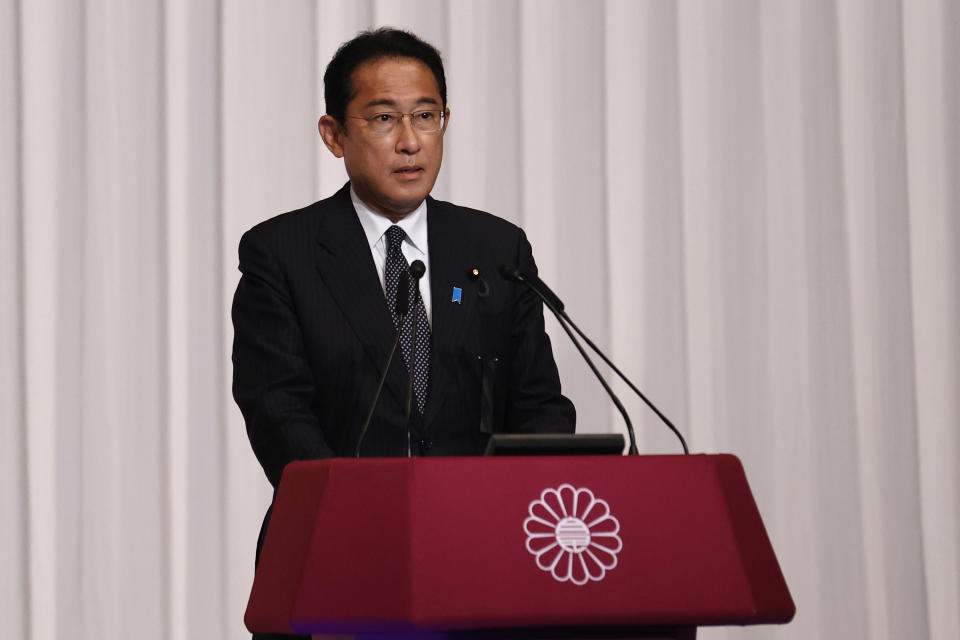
580, 546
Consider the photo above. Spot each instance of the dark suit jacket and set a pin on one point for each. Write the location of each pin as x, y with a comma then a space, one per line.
313, 332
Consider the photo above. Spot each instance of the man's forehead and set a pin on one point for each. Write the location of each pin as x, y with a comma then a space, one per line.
388, 81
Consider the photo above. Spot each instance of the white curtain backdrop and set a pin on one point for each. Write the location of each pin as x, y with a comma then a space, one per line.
754, 205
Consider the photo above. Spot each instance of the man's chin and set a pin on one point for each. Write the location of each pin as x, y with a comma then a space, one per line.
410, 194
393, 198
398, 205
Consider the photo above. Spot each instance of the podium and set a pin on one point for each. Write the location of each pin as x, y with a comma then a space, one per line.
535, 547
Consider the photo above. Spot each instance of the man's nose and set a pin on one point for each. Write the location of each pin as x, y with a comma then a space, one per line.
407, 139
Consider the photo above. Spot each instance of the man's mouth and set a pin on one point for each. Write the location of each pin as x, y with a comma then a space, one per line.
408, 173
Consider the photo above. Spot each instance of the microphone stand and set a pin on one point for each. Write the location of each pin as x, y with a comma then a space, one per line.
653, 407
401, 308
616, 401
556, 306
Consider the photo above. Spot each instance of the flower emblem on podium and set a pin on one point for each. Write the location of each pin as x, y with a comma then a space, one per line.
572, 534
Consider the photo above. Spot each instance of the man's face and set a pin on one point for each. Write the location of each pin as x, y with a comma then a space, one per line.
392, 172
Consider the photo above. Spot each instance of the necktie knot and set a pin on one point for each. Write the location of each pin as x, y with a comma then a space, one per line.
395, 236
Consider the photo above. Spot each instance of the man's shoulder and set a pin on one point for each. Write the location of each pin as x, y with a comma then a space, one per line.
473, 220
299, 223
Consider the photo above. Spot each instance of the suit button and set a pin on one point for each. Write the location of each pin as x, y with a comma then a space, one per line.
425, 445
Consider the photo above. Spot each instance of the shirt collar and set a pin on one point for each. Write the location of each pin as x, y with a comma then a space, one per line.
375, 225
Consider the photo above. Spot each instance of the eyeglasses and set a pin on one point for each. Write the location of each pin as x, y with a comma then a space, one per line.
424, 121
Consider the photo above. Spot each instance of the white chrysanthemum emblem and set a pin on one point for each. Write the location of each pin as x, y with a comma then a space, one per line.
572, 534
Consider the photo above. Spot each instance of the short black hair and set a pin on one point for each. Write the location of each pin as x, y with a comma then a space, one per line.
385, 42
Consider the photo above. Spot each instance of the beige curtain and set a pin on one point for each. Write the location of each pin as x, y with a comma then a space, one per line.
755, 206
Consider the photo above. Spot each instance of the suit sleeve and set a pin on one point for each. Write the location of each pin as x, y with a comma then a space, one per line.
535, 401
272, 381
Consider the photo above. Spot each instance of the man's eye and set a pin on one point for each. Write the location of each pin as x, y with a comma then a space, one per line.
383, 118
426, 116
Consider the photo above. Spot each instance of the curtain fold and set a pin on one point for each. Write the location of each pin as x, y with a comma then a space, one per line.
753, 206
14, 576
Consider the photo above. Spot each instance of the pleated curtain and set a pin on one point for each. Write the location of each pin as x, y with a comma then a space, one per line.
753, 206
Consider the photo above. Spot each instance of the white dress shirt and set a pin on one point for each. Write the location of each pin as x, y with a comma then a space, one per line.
414, 246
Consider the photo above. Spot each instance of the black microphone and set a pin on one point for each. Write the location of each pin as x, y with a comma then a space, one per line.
401, 308
514, 274
552, 301
417, 269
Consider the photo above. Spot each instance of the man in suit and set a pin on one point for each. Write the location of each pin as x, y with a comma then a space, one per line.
314, 313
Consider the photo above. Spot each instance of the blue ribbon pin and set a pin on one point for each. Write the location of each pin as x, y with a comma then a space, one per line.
457, 294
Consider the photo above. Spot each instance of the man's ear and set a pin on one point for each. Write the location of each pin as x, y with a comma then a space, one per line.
332, 134
446, 118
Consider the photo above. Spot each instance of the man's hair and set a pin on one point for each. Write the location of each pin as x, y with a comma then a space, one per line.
384, 42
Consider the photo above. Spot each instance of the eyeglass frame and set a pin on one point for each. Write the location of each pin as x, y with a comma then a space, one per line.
411, 114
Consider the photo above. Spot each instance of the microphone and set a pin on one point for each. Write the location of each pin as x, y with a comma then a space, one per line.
417, 269
553, 302
402, 307
514, 274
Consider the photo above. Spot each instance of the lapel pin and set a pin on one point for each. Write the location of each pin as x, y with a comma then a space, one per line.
457, 294
483, 288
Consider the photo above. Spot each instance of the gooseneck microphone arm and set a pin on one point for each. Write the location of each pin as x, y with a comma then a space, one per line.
653, 407
401, 308
417, 269
556, 302
514, 274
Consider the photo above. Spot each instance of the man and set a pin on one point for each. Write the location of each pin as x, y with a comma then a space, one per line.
315, 311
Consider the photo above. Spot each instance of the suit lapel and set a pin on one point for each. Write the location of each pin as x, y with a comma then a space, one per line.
346, 266
449, 260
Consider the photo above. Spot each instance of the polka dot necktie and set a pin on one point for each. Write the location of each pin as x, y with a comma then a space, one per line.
418, 313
